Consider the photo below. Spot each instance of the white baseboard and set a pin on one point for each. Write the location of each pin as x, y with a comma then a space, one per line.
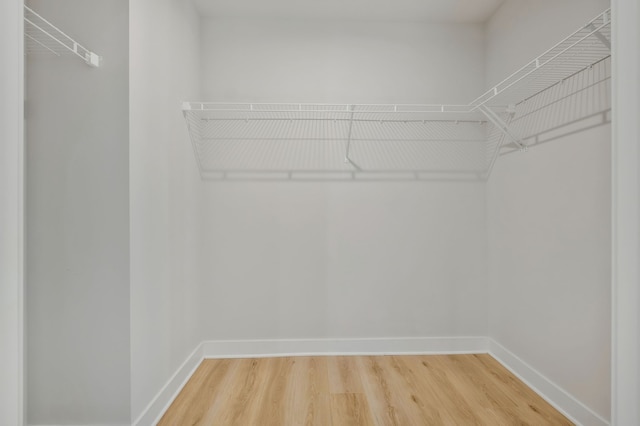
564, 402
319, 347
163, 399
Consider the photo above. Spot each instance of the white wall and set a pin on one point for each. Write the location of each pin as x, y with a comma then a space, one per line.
305, 260
11, 211
314, 260
549, 221
77, 222
164, 194
341, 62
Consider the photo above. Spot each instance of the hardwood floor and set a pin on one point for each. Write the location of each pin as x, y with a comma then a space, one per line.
358, 390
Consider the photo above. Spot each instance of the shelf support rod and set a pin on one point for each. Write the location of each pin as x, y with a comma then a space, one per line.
502, 126
348, 147
604, 40
42, 44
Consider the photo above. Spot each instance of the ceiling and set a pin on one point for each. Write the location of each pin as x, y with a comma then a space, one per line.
460, 11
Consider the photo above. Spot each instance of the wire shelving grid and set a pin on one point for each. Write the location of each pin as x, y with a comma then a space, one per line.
409, 141
43, 37
581, 50
346, 140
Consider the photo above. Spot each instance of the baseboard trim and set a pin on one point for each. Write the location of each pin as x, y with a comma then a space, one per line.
165, 397
326, 347
560, 399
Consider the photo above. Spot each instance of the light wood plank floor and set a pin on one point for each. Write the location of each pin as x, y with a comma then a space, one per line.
358, 390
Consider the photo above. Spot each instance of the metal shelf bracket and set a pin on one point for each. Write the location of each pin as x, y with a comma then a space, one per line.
598, 34
502, 126
348, 146
41, 36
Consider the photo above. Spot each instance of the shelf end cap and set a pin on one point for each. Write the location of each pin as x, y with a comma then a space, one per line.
93, 60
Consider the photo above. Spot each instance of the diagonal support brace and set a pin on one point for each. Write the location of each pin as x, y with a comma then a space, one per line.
347, 159
504, 127
604, 40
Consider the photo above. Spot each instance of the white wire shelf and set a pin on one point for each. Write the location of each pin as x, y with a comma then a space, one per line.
580, 97
565, 85
42, 37
587, 46
348, 141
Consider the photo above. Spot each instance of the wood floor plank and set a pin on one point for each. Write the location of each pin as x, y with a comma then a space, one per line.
451, 405
307, 395
271, 409
389, 404
244, 396
344, 376
366, 390
403, 393
515, 397
496, 405
222, 398
470, 387
426, 398
350, 409
192, 404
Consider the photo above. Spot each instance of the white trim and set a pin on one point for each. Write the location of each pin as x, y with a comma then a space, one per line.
106, 424
560, 399
320, 347
152, 414
625, 309
12, 401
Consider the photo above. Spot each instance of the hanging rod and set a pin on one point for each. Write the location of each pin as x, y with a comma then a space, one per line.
41, 36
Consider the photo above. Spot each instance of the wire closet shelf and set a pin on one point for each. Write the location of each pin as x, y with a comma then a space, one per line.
416, 142
43, 37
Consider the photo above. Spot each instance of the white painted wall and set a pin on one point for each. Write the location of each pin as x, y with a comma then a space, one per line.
11, 213
549, 221
341, 61
310, 260
164, 193
314, 260
77, 222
